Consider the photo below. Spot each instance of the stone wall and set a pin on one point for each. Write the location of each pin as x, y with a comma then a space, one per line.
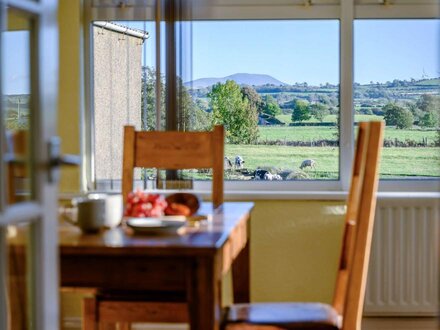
117, 69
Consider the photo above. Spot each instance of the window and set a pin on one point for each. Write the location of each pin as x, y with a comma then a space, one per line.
278, 77
397, 78
280, 119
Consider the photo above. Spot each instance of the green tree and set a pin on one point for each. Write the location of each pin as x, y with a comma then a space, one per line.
395, 115
428, 102
301, 111
191, 116
430, 119
148, 100
405, 119
253, 97
319, 111
231, 109
271, 106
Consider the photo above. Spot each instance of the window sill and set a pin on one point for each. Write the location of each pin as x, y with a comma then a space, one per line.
242, 195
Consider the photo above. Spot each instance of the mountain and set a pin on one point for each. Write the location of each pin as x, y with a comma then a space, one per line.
240, 78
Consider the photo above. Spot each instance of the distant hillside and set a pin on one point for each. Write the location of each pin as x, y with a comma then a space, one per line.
240, 78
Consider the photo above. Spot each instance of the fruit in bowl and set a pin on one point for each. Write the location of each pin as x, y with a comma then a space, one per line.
182, 204
142, 204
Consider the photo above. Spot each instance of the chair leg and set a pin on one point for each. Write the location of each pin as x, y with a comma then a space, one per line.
90, 315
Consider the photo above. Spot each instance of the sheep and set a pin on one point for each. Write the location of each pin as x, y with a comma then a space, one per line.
268, 176
308, 163
227, 163
239, 161
260, 174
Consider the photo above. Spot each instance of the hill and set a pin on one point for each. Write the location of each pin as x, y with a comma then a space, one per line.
240, 78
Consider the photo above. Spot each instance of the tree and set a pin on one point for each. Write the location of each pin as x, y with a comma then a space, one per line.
190, 116
271, 106
405, 119
428, 102
430, 119
253, 97
395, 115
428, 108
319, 111
301, 111
148, 101
231, 109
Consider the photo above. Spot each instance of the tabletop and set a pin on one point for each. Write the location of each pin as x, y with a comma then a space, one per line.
202, 237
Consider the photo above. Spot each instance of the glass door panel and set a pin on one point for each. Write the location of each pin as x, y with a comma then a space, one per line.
16, 78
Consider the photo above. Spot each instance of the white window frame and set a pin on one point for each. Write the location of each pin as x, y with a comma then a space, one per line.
346, 11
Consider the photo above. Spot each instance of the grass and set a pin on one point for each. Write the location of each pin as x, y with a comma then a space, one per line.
329, 118
297, 133
396, 162
314, 133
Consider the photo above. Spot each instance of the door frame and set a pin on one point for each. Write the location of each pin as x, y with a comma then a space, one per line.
41, 211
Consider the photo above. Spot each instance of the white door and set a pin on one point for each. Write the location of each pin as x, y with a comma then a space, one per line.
28, 189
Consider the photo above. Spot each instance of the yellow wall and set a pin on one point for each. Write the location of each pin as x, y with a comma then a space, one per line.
294, 244
69, 89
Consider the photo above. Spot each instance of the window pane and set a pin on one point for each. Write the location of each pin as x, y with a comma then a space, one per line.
275, 87
18, 106
397, 74
266, 81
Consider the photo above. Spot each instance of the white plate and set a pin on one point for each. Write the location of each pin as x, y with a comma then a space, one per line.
162, 225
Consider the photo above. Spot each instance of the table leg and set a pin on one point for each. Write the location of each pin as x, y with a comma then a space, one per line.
241, 272
204, 298
89, 314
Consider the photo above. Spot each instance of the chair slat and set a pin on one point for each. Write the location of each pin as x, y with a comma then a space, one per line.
174, 150
365, 222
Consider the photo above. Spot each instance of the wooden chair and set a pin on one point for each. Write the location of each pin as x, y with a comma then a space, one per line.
16, 167
346, 310
174, 151
162, 150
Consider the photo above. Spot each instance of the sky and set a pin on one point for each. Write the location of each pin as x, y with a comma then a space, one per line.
290, 51
308, 51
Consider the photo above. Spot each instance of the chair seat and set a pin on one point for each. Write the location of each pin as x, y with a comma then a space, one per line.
285, 315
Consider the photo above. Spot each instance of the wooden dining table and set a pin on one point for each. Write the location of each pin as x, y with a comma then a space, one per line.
188, 265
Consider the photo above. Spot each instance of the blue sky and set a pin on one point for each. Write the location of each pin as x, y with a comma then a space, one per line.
291, 51
308, 50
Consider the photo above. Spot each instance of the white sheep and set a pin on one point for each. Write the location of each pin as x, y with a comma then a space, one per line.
227, 163
268, 176
308, 163
239, 161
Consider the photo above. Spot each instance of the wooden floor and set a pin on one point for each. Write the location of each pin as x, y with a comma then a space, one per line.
400, 323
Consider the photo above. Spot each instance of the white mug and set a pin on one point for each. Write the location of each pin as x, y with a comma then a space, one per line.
113, 208
90, 215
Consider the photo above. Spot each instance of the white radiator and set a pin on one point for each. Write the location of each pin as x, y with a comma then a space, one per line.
404, 266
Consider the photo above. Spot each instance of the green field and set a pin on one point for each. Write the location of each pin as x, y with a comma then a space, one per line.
329, 118
315, 133
396, 162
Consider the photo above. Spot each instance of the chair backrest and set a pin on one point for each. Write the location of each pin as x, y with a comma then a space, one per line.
349, 294
174, 150
16, 168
